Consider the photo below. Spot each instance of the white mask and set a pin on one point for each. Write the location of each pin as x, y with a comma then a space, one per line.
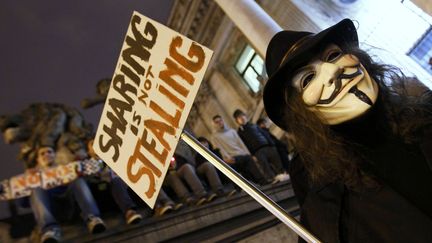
336, 86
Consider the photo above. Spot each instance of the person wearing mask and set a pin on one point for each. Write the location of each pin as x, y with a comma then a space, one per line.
364, 140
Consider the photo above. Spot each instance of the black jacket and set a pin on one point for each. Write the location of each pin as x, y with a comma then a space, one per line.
398, 211
334, 213
199, 159
281, 147
254, 137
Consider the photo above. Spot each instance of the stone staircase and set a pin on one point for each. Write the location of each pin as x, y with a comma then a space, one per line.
223, 220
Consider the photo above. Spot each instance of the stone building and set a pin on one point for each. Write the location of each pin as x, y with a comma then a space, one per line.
236, 75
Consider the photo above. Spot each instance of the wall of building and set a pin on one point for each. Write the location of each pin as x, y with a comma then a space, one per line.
224, 91
425, 5
388, 29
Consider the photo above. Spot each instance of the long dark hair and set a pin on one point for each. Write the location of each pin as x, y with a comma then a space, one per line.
327, 156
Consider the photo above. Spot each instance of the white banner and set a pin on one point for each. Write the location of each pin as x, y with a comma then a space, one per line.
154, 85
47, 178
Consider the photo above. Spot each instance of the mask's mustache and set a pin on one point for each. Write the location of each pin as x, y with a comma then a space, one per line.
350, 75
338, 84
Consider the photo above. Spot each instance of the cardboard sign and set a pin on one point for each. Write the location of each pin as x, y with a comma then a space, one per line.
22, 185
154, 85
59, 175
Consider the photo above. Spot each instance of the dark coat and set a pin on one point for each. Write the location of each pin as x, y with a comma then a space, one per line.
281, 147
199, 159
254, 137
400, 210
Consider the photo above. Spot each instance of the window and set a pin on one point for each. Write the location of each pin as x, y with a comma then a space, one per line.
250, 66
422, 51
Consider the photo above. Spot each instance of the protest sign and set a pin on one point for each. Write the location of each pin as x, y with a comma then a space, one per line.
21, 185
153, 87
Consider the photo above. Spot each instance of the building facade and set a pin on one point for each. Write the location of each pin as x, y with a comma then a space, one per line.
236, 76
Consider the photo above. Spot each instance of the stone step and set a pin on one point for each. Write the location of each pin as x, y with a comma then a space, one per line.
224, 219
224, 216
240, 227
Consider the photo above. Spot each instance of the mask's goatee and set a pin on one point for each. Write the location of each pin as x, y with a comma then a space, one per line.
359, 94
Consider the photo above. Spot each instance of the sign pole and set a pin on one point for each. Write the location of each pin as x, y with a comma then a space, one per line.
254, 192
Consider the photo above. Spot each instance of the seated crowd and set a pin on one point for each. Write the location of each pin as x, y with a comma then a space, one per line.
191, 180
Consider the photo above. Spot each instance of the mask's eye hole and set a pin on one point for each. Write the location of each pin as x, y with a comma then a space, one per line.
333, 55
306, 79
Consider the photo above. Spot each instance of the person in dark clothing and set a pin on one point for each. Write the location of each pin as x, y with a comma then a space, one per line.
199, 159
202, 166
186, 169
364, 168
119, 190
261, 146
281, 147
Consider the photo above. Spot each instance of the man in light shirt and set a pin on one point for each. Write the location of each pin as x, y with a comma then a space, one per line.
234, 151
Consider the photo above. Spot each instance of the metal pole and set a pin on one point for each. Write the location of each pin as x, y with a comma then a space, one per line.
254, 192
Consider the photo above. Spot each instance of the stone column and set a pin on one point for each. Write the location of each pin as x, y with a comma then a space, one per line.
252, 21
258, 27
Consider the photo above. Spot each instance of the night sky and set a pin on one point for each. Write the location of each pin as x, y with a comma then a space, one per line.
56, 51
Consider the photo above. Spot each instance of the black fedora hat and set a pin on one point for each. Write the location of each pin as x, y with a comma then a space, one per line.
289, 50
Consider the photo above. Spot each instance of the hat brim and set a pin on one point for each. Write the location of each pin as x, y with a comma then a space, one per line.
342, 34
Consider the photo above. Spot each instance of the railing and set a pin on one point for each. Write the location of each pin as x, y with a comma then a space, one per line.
254, 192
